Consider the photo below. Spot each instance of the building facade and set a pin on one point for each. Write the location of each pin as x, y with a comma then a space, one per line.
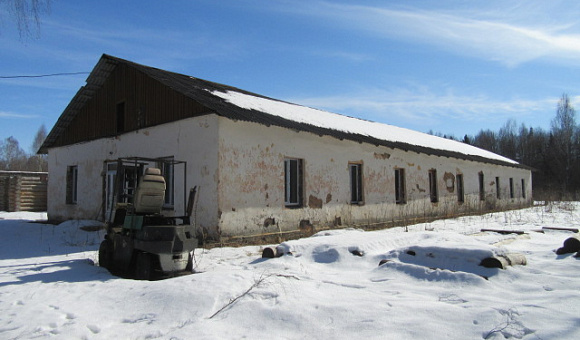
261, 165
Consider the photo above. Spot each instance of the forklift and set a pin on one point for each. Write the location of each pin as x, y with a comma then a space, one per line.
141, 242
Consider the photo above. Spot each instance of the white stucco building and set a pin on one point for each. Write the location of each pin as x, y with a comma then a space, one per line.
262, 165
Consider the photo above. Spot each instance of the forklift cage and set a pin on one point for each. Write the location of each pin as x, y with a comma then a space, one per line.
140, 163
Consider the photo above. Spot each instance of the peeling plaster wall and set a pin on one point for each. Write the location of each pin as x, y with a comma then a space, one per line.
239, 170
194, 140
251, 181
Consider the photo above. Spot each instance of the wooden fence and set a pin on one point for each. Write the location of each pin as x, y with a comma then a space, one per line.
23, 191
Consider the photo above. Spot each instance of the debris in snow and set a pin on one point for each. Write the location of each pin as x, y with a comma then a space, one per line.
356, 251
503, 261
501, 231
574, 230
571, 245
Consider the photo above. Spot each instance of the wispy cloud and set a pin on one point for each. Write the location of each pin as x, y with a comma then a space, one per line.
510, 39
17, 115
421, 104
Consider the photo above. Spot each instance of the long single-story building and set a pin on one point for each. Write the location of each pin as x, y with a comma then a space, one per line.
261, 165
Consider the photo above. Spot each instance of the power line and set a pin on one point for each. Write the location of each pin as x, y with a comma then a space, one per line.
45, 75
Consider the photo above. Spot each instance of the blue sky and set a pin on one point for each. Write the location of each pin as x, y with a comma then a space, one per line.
454, 67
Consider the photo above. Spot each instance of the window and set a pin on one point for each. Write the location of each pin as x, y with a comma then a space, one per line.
511, 188
523, 188
167, 170
120, 114
497, 188
481, 187
400, 195
460, 190
433, 186
356, 183
71, 184
293, 182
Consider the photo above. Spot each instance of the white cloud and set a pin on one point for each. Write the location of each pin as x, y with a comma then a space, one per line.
521, 35
16, 115
421, 104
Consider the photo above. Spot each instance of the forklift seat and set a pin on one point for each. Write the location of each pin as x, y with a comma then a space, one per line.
150, 192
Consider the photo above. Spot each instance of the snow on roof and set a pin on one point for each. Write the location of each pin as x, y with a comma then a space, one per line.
329, 120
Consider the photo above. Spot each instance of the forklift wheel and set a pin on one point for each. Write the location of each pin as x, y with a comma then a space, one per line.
144, 266
189, 266
106, 254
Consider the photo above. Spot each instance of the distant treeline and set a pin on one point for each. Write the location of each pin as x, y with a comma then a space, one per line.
554, 154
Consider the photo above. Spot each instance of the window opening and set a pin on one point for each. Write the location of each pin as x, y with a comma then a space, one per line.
72, 184
460, 190
512, 188
481, 187
400, 194
356, 183
293, 182
433, 186
168, 172
523, 188
497, 188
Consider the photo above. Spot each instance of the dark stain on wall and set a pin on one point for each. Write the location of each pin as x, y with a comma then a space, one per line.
269, 221
383, 155
314, 202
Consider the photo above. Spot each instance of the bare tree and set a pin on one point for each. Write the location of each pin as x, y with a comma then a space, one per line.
507, 140
12, 157
39, 138
27, 15
37, 162
564, 132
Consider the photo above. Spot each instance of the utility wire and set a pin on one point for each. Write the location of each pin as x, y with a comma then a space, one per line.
44, 75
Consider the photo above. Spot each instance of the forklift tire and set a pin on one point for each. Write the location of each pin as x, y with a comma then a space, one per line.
189, 266
144, 266
106, 254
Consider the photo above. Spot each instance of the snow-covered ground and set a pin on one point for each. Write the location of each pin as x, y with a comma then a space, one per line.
50, 287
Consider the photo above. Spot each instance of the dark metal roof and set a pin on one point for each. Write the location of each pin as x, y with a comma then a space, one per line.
201, 90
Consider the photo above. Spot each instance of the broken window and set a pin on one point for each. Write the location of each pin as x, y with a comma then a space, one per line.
293, 176
460, 190
400, 194
511, 188
497, 188
356, 183
433, 186
71, 184
481, 187
523, 188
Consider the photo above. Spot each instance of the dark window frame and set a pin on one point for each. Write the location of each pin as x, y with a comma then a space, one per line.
400, 186
356, 183
72, 177
293, 182
460, 188
168, 172
523, 188
433, 187
481, 178
512, 192
497, 188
